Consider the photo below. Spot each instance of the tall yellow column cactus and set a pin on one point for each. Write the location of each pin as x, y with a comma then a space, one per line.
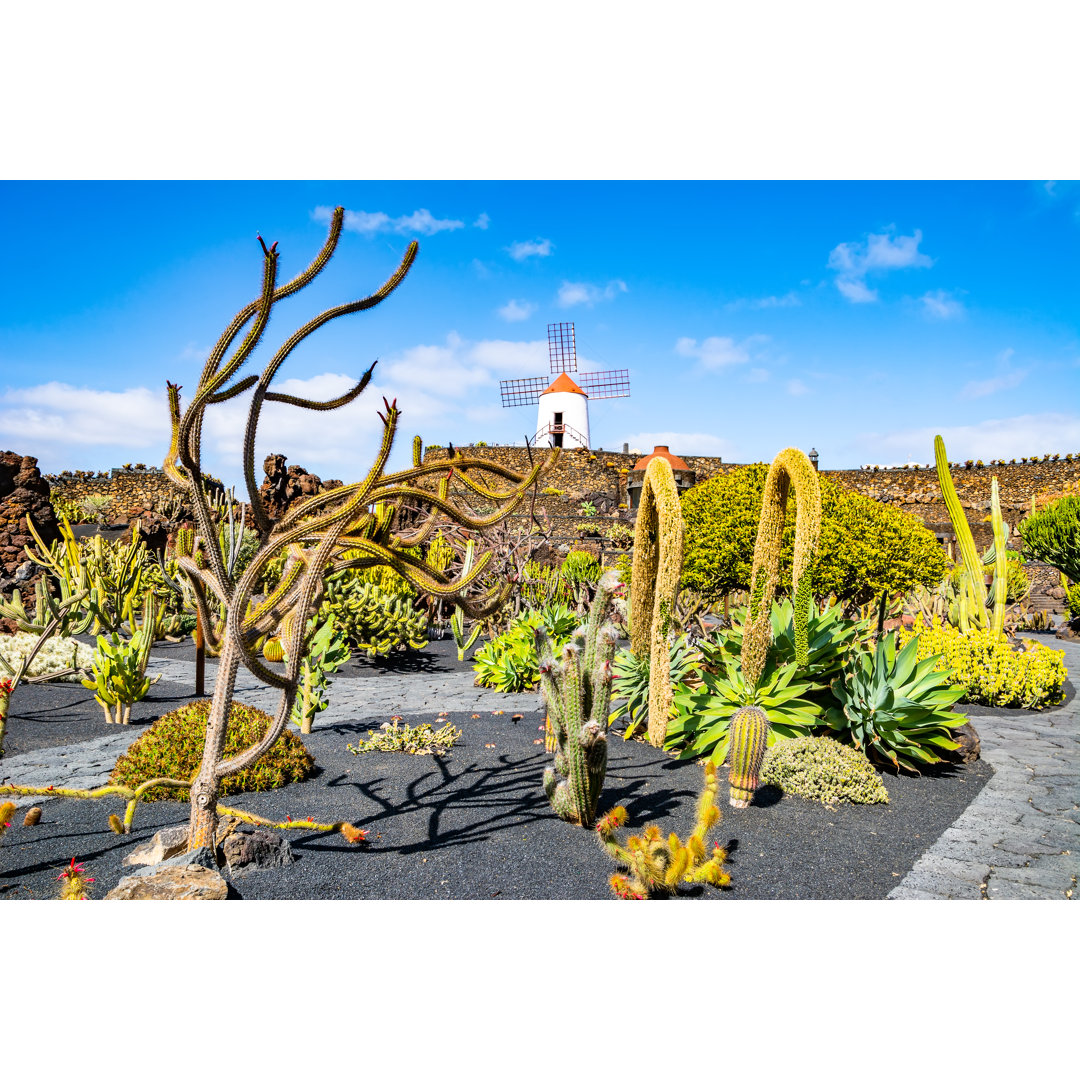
789, 468
659, 536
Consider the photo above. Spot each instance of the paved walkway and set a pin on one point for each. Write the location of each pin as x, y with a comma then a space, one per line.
88, 764
1020, 837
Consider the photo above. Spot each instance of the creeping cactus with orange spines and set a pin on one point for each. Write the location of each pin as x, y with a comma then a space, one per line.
658, 866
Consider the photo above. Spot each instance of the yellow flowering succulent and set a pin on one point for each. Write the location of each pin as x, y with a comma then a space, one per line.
990, 670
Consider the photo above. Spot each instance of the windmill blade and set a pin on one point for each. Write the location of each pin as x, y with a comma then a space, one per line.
562, 347
605, 384
521, 391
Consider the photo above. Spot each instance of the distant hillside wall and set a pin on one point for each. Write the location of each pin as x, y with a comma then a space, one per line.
582, 474
131, 490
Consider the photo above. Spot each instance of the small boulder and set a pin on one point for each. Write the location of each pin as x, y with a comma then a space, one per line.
969, 741
165, 845
249, 848
171, 882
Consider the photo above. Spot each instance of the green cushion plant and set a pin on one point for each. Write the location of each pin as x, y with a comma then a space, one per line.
865, 547
173, 747
895, 707
820, 768
510, 663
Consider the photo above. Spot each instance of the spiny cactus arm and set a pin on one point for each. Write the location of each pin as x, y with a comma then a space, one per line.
233, 391
323, 406
458, 463
177, 476
1001, 566
302, 279
971, 560
346, 828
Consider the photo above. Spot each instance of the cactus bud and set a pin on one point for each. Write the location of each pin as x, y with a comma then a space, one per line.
116, 825
33, 816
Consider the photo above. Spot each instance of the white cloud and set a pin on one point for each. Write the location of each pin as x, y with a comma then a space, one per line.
481, 270
796, 387
681, 443
482, 222
761, 303
572, 293
978, 388
523, 249
757, 375
192, 353
516, 310
419, 221
1007, 437
941, 305
879, 253
720, 352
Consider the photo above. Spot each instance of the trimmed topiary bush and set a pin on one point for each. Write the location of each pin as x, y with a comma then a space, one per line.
865, 547
822, 769
173, 747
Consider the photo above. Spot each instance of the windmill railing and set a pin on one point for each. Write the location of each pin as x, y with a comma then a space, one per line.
560, 429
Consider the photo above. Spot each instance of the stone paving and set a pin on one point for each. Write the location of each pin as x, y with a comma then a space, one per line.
1020, 837
88, 764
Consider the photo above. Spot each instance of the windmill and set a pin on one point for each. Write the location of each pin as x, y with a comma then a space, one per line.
563, 413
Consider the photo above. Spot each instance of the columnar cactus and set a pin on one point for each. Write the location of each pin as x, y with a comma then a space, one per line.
659, 536
1001, 565
972, 605
749, 737
791, 467
658, 866
578, 696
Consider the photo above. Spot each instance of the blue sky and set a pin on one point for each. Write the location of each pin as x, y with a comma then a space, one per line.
858, 318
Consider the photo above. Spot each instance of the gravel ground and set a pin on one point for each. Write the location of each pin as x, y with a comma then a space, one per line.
475, 824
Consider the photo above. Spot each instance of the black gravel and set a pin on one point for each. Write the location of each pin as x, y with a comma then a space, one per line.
475, 824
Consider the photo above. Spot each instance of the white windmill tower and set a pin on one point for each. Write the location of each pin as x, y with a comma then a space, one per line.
562, 417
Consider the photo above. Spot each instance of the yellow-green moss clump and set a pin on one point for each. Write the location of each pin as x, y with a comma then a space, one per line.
823, 770
173, 747
989, 669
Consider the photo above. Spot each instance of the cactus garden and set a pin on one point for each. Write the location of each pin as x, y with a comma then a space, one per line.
688, 680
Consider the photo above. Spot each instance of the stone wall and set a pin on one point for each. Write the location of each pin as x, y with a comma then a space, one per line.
23, 491
132, 490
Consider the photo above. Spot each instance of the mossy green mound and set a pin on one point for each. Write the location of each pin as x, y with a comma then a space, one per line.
823, 770
173, 747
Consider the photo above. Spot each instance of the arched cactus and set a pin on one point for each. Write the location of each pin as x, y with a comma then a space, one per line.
659, 536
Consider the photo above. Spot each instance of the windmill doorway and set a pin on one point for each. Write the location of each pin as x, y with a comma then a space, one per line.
557, 425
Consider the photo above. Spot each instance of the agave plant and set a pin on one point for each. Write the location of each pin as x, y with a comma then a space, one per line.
632, 681
895, 707
509, 663
702, 724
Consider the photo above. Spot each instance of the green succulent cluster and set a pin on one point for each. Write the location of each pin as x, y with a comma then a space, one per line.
865, 547
1053, 535
821, 769
422, 739
173, 747
376, 618
632, 674
510, 663
119, 673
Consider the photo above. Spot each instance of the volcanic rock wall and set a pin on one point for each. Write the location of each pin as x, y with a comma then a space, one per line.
23, 490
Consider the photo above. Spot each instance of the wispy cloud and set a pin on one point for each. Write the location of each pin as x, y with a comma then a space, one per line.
525, 249
761, 303
516, 310
1006, 437
877, 254
572, 293
1007, 378
757, 375
719, 352
941, 305
369, 224
796, 387
482, 222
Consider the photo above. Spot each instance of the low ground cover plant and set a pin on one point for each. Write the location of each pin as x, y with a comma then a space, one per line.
420, 740
173, 747
55, 655
822, 769
987, 669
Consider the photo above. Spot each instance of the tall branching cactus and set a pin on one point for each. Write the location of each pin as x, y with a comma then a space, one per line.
347, 527
750, 725
972, 592
659, 536
578, 696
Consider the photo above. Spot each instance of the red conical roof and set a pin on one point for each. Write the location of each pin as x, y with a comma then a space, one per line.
661, 451
564, 385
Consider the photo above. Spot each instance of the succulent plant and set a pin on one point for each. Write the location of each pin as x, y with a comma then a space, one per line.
119, 670
658, 867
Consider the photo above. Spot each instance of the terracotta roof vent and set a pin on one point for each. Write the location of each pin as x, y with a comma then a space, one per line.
663, 452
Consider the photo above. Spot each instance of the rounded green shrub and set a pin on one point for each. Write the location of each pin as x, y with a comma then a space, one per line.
865, 548
173, 747
1073, 601
824, 770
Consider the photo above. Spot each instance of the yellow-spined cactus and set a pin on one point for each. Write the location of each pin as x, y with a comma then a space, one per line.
791, 467
273, 650
659, 537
